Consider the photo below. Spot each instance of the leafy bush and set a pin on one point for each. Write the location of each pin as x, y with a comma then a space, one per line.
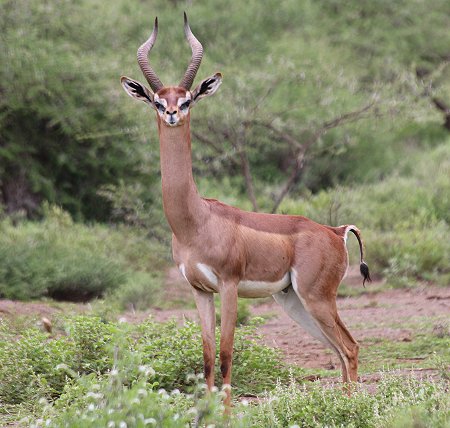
65, 260
174, 352
406, 255
29, 367
141, 291
108, 402
52, 259
36, 366
40, 366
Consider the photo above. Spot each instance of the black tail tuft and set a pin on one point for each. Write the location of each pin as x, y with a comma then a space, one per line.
364, 269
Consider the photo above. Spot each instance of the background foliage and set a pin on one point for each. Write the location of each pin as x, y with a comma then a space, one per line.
67, 130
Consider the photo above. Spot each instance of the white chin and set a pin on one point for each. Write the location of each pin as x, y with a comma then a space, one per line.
172, 124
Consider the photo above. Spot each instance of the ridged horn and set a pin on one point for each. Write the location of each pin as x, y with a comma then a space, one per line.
142, 57
196, 59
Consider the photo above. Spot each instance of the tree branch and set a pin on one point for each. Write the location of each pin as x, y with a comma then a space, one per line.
239, 144
303, 148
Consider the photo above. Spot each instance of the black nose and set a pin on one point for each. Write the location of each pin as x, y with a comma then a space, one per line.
168, 112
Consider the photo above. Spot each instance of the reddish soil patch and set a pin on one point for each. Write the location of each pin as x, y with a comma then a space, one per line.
385, 315
14, 308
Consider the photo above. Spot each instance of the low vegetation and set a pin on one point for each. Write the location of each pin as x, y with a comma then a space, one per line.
64, 260
87, 350
110, 374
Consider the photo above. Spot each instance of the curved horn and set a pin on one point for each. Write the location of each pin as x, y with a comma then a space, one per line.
142, 57
197, 54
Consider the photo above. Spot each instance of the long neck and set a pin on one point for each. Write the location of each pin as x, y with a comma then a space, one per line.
183, 206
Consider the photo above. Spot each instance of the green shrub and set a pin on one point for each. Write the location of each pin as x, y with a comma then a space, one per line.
141, 291
54, 258
243, 312
92, 342
174, 352
62, 259
35, 366
406, 255
29, 367
114, 372
108, 402
38, 366
397, 402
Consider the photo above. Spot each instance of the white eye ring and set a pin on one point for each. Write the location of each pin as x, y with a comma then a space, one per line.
185, 105
159, 107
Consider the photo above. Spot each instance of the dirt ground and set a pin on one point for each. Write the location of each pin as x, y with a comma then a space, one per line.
391, 314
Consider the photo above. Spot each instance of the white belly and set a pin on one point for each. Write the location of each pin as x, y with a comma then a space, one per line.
262, 288
250, 289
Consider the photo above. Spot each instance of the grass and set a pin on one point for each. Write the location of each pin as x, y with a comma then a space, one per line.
345, 290
419, 351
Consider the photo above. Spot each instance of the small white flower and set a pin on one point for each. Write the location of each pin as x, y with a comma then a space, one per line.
150, 421
91, 407
114, 372
94, 395
62, 366
111, 424
123, 424
190, 377
175, 392
147, 370
142, 392
244, 403
214, 389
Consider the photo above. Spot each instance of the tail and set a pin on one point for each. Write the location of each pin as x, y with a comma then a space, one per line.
363, 268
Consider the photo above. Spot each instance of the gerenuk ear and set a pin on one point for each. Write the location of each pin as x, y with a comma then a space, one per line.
136, 90
207, 87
